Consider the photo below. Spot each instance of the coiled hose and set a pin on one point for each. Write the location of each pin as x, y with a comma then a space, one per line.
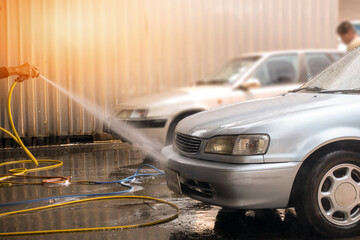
56, 163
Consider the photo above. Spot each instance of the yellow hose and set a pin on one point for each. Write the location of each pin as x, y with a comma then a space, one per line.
16, 137
93, 228
22, 171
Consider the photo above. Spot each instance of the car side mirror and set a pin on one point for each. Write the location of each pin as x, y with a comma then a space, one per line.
251, 83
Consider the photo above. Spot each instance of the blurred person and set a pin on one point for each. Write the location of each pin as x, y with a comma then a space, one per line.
25, 72
348, 35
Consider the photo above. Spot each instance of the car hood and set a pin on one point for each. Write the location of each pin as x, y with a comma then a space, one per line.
246, 117
175, 95
159, 103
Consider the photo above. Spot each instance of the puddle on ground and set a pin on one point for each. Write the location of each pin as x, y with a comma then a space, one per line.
114, 162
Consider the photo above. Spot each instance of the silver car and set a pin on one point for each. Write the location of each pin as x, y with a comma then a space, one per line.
251, 76
298, 149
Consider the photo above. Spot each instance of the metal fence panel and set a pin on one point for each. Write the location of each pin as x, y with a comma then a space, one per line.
108, 51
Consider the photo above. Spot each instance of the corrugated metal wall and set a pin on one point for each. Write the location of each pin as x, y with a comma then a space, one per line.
349, 10
109, 51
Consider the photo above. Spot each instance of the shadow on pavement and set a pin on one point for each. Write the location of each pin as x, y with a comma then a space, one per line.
258, 224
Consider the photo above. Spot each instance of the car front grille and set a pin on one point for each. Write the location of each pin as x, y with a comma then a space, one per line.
187, 144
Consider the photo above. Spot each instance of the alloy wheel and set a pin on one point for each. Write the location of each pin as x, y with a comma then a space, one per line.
339, 195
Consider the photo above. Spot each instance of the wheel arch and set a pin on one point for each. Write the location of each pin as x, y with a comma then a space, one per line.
335, 145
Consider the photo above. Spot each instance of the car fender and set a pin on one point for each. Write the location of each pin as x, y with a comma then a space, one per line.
296, 151
326, 137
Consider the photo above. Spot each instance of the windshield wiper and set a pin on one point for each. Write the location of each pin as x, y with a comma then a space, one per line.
308, 89
356, 90
213, 81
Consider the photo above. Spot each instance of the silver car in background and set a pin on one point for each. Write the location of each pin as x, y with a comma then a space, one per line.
298, 149
249, 77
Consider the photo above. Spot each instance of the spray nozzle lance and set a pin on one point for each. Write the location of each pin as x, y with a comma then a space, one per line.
23, 78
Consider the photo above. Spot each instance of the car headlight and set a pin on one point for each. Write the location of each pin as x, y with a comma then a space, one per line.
133, 114
238, 145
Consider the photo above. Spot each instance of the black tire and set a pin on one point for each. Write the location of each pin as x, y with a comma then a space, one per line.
323, 176
171, 132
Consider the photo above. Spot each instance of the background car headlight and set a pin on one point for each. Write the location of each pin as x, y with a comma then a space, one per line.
133, 114
238, 145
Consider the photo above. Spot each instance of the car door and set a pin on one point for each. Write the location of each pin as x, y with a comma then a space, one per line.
316, 62
277, 74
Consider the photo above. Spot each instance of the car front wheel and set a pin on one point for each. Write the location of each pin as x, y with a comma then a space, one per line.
329, 201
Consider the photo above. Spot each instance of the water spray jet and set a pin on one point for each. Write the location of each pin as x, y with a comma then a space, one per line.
146, 145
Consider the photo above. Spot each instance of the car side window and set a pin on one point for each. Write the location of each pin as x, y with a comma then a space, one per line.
315, 63
336, 56
279, 69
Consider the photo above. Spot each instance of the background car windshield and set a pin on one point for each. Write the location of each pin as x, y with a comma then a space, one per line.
231, 72
344, 74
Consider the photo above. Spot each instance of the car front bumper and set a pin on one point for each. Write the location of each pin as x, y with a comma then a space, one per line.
243, 186
155, 129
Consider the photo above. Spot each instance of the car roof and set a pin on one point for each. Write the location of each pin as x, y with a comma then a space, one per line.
268, 53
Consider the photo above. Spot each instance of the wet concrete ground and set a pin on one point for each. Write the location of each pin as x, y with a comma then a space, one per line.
113, 161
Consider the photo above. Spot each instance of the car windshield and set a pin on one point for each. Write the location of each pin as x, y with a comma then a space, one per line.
343, 75
231, 71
